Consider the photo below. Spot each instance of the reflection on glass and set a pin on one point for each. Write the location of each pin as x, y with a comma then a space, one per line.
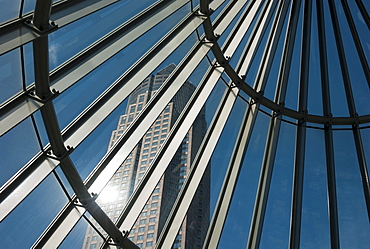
237, 224
10, 74
25, 224
94, 147
275, 231
315, 231
17, 147
354, 226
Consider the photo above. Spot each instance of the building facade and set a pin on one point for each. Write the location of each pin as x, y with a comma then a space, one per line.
154, 215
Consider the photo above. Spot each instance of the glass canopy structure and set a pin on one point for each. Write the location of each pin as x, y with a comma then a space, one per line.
283, 87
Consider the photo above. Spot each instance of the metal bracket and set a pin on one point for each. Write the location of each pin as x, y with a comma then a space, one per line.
53, 94
198, 13
258, 99
356, 120
51, 27
60, 158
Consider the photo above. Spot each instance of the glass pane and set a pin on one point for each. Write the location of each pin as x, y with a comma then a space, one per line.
252, 71
315, 230
294, 73
41, 128
28, 63
29, 5
9, 9
354, 226
27, 222
237, 224
71, 39
275, 232
314, 79
10, 74
17, 147
80, 237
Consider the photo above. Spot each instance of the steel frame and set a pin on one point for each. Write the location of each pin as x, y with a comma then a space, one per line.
48, 17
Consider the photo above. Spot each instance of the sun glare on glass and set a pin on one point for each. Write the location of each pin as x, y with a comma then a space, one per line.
109, 194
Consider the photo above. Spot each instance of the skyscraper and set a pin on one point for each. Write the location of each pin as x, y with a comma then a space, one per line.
158, 207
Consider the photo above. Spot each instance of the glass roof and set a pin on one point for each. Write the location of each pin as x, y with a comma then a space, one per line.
184, 124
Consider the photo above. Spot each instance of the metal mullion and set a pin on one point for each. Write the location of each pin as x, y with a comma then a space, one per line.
271, 47
329, 148
273, 135
357, 41
299, 159
256, 37
351, 105
264, 184
67, 74
197, 169
82, 126
243, 23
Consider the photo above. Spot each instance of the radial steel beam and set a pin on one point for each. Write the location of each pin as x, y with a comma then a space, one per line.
300, 148
329, 147
351, 104
274, 129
